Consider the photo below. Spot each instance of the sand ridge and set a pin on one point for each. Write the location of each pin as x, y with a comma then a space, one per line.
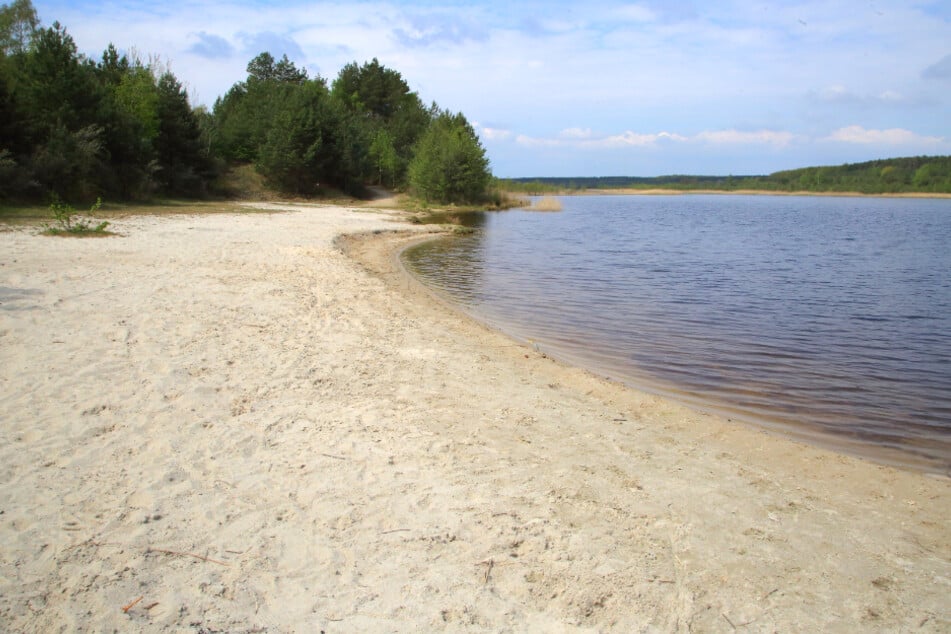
226, 423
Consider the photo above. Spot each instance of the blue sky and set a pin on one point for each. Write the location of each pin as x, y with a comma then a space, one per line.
594, 88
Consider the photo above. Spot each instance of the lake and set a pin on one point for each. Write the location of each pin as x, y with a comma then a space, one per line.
824, 318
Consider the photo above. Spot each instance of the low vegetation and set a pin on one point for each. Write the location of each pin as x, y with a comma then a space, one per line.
72, 223
545, 203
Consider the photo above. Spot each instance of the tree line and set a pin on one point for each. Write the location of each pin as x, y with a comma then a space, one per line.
121, 127
914, 174
917, 174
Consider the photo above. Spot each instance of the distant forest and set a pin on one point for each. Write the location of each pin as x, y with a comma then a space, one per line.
917, 174
120, 127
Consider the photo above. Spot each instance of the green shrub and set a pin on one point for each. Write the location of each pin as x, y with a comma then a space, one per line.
70, 222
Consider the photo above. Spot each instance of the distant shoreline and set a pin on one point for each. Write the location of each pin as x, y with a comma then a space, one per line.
736, 192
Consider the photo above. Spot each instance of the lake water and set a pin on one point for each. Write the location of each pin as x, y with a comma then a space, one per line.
826, 318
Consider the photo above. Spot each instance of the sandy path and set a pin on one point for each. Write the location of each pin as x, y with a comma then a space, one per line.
232, 422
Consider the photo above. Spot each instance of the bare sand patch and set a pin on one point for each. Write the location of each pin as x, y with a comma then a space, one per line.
225, 423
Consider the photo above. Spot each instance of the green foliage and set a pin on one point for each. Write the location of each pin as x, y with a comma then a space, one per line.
136, 97
392, 117
920, 174
263, 69
383, 157
18, 22
531, 187
301, 136
130, 112
930, 177
69, 162
245, 115
449, 165
76, 129
8, 172
185, 167
372, 89
300, 147
69, 223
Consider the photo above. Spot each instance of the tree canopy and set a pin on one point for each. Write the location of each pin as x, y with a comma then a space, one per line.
368, 128
18, 22
449, 165
74, 128
392, 116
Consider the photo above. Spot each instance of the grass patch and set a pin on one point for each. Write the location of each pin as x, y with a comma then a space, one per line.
36, 216
243, 182
176, 208
23, 214
78, 233
461, 218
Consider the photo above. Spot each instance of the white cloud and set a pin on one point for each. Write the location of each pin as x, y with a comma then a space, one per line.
892, 136
734, 137
528, 141
836, 94
584, 138
633, 139
448, 28
493, 134
576, 133
839, 95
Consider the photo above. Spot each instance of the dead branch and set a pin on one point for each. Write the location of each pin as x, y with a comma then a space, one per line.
181, 554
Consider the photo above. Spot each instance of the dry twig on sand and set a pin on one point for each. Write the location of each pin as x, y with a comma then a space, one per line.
489, 564
181, 554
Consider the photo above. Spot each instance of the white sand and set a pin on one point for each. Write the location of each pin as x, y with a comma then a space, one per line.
229, 421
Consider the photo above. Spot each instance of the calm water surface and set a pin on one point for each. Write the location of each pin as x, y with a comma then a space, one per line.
826, 318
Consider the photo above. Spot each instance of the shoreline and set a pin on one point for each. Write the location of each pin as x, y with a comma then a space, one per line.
382, 255
224, 422
736, 192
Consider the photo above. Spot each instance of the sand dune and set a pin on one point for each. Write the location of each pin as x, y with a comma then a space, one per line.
226, 424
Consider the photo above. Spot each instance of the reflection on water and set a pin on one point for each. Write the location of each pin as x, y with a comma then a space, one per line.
818, 316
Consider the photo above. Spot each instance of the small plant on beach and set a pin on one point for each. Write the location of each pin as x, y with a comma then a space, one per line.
70, 222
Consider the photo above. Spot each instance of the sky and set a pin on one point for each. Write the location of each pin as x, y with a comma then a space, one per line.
596, 88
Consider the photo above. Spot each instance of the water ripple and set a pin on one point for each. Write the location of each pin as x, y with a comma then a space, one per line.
825, 317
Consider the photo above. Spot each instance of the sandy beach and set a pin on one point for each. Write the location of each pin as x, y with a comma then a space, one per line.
245, 423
